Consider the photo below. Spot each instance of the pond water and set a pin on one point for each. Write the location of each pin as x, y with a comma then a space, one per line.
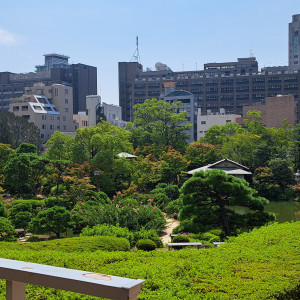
284, 211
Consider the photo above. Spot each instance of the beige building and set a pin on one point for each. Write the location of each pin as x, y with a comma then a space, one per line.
50, 108
204, 122
274, 110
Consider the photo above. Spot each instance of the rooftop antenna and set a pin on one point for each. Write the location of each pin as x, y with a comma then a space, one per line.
136, 54
251, 52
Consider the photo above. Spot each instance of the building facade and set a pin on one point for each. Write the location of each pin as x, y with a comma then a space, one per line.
188, 105
82, 78
213, 90
274, 110
294, 43
204, 122
50, 108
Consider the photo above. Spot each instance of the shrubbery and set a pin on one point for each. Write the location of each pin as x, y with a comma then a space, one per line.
262, 264
132, 237
145, 245
180, 239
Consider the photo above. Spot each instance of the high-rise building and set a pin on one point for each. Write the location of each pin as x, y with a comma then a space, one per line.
82, 78
50, 108
219, 85
294, 43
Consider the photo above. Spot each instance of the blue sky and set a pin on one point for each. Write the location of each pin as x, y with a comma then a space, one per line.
181, 34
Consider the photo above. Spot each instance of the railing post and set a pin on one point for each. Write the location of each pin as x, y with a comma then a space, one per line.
15, 290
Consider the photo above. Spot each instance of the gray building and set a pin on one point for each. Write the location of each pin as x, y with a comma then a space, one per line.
229, 88
294, 43
188, 105
82, 78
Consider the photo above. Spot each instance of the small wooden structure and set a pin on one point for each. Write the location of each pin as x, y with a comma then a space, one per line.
18, 273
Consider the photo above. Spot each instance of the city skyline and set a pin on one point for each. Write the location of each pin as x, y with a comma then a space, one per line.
183, 37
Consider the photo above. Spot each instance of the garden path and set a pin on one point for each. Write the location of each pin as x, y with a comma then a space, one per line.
170, 225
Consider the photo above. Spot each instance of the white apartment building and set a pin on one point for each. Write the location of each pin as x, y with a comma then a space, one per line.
204, 122
50, 108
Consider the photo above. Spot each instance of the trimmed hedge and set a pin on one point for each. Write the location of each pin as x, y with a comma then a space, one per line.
263, 264
145, 245
180, 239
75, 244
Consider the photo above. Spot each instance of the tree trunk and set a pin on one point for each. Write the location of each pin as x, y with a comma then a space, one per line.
224, 217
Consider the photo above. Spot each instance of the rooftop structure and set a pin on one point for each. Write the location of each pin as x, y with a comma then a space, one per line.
294, 43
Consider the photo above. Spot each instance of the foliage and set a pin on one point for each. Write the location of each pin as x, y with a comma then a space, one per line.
5, 152
7, 231
122, 211
172, 166
26, 148
145, 245
59, 146
101, 138
55, 219
263, 264
206, 201
201, 154
131, 236
159, 123
22, 211
180, 239
15, 130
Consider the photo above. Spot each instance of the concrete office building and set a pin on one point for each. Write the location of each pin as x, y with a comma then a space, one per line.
113, 114
48, 107
274, 110
219, 86
188, 105
81, 77
294, 43
209, 119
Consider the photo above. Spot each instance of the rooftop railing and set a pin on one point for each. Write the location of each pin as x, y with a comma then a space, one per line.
18, 273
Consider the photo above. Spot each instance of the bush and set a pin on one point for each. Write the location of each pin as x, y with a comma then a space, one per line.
145, 245
132, 237
150, 234
180, 239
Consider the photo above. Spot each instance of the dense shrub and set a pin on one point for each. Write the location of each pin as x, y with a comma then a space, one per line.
145, 245
262, 264
7, 231
180, 239
132, 237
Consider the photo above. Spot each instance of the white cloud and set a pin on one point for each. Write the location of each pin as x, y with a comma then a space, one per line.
7, 38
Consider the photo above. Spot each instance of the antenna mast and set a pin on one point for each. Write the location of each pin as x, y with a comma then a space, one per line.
136, 54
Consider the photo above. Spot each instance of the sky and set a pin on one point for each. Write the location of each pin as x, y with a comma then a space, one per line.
182, 34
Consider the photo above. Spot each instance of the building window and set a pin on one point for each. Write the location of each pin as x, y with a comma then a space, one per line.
51, 126
203, 122
42, 136
64, 119
64, 127
58, 127
66, 101
227, 121
43, 126
44, 117
25, 107
66, 91
58, 118
51, 118
27, 117
66, 109
56, 92
16, 108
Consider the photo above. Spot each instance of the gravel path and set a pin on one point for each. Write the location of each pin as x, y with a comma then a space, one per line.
170, 225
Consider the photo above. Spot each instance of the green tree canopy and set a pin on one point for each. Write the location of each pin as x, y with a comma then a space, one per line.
160, 123
55, 219
207, 200
15, 130
59, 146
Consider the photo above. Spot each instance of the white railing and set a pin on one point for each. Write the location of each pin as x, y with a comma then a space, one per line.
18, 273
